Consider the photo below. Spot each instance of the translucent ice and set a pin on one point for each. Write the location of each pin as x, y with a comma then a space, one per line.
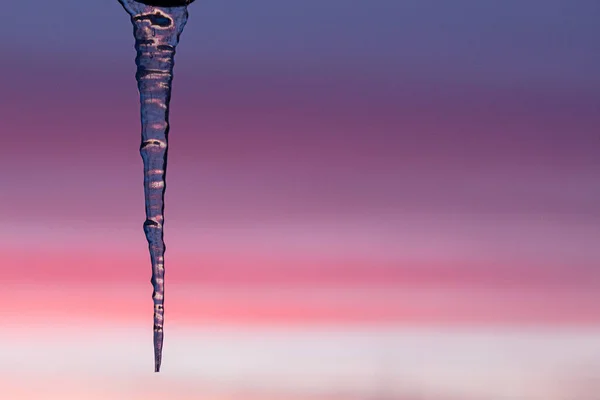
157, 25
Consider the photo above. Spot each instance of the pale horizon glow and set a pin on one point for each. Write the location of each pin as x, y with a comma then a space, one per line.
511, 363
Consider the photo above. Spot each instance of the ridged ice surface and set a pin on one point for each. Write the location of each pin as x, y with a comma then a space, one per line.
156, 30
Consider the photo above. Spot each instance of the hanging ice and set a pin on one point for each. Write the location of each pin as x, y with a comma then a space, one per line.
157, 25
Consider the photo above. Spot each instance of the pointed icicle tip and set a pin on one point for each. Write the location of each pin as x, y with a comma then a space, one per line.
157, 362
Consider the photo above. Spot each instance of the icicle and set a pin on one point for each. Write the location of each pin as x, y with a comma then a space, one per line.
157, 25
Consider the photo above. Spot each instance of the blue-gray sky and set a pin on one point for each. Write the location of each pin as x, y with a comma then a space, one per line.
552, 42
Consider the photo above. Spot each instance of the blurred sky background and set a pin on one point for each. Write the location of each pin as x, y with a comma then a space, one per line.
365, 198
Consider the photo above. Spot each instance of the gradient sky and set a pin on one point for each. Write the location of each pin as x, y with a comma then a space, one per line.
331, 162
414, 142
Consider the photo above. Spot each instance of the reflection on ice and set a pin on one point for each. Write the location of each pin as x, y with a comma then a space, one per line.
157, 25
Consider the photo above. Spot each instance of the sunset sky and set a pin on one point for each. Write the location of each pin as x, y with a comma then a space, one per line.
335, 167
